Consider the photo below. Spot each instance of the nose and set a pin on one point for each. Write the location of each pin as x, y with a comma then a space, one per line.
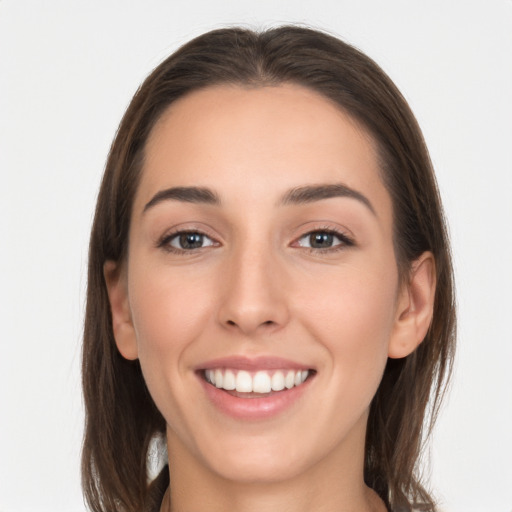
254, 298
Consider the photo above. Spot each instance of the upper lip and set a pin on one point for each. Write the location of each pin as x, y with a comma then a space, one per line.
253, 363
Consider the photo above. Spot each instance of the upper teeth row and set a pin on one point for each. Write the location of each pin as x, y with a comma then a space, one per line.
259, 382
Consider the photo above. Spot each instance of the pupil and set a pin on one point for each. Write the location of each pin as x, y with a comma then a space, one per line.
191, 240
321, 240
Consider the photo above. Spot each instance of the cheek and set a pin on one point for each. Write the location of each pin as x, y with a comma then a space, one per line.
169, 312
353, 318
166, 310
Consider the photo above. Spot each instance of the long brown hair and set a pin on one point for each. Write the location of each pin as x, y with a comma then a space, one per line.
121, 417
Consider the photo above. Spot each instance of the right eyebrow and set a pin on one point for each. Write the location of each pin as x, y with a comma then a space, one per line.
184, 194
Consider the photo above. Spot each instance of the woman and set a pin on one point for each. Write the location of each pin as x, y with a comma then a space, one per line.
270, 285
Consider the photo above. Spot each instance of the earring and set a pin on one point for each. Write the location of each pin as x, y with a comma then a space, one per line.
156, 458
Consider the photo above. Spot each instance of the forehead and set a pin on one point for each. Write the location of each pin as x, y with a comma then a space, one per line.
263, 140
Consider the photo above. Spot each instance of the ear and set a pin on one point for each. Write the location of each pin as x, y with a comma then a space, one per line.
415, 307
122, 325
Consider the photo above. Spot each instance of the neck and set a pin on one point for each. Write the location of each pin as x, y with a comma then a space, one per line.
333, 484
267, 500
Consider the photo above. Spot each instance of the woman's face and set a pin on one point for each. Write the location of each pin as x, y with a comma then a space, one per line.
260, 257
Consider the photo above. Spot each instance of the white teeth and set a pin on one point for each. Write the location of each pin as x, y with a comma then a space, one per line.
260, 382
244, 382
229, 382
218, 378
278, 381
289, 380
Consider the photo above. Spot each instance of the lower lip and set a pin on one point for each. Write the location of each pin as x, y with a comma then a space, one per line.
254, 408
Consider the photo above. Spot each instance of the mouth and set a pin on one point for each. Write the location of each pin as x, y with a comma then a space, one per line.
255, 389
255, 384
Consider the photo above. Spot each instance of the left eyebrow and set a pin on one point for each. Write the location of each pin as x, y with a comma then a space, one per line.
312, 193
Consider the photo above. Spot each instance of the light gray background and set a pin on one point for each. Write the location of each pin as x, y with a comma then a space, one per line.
68, 70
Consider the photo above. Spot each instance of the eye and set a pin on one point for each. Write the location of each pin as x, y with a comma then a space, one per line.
186, 241
324, 239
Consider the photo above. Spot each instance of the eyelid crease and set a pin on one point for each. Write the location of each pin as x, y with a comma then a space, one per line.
345, 239
325, 226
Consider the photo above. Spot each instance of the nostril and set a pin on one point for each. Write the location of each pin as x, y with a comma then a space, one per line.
267, 322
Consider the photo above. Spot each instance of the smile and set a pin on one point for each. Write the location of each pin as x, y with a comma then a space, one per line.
255, 389
260, 382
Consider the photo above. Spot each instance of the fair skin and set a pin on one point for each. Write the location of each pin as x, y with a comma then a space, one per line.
252, 276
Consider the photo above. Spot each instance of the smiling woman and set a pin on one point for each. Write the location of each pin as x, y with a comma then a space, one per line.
270, 285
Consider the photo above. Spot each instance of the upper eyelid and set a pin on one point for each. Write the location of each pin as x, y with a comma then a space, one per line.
179, 230
334, 230
344, 238
325, 230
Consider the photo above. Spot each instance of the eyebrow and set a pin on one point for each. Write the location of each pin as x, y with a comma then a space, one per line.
312, 193
185, 194
295, 196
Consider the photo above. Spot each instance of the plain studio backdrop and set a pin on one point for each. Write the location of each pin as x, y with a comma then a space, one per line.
67, 73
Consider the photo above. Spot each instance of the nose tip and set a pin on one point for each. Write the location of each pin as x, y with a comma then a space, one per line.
253, 299
249, 318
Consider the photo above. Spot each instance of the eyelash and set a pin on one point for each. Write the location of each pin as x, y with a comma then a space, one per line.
345, 241
165, 241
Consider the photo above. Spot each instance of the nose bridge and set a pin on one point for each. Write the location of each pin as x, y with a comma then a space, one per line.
253, 295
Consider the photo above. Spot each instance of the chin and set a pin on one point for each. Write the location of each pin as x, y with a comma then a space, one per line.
259, 469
